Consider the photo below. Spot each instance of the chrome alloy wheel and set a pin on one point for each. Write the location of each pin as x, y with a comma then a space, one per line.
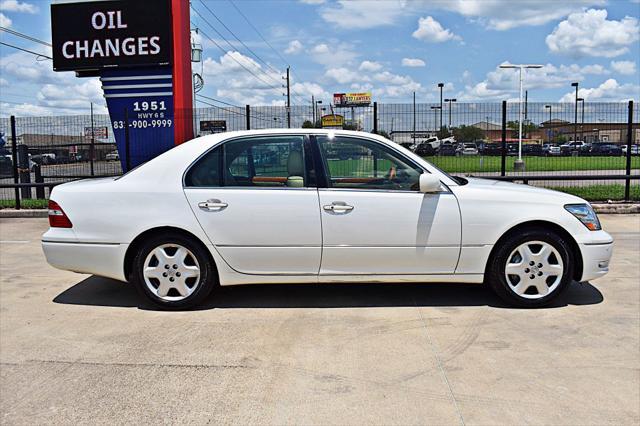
171, 272
534, 270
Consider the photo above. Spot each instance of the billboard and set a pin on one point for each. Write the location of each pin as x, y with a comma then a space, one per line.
115, 33
352, 99
101, 132
213, 126
332, 120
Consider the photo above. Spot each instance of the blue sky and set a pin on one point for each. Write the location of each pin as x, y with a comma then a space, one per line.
391, 48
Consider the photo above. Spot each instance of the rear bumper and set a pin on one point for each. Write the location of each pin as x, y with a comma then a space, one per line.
595, 260
106, 260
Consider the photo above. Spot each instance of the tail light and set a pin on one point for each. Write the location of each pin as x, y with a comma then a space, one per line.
57, 217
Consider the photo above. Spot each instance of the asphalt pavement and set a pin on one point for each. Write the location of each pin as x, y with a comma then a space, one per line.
77, 349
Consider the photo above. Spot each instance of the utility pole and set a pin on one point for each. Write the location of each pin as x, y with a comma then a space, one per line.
313, 105
288, 101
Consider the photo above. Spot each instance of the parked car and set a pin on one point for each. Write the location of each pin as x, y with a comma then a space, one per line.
425, 149
467, 148
6, 166
200, 215
532, 149
605, 148
512, 149
551, 149
112, 156
447, 149
491, 149
635, 149
574, 148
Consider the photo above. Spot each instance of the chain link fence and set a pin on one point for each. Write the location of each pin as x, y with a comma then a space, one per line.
589, 149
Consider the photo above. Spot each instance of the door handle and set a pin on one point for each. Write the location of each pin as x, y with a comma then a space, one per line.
212, 205
338, 207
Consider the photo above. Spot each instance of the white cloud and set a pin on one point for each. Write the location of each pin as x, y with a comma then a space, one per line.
364, 14
343, 75
589, 33
5, 21
294, 47
493, 14
261, 86
501, 83
413, 62
17, 6
370, 66
312, 1
430, 31
624, 67
608, 91
332, 53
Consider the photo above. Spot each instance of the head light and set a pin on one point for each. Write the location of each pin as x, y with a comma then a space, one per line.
585, 214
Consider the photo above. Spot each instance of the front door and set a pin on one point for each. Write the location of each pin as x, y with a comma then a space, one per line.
374, 219
257, 201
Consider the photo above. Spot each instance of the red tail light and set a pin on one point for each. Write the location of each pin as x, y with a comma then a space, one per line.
57, 216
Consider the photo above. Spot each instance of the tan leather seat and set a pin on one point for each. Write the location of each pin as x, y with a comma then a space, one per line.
295, 169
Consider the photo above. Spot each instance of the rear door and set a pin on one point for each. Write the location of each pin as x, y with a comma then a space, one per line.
374, 219
257, 201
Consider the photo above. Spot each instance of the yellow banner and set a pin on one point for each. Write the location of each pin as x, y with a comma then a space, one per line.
333, 120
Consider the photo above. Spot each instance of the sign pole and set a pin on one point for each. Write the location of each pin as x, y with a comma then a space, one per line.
182, 80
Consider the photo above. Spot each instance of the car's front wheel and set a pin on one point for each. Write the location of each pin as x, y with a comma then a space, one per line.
173, 271
531, 268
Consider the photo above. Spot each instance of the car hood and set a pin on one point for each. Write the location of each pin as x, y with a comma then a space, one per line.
508, 191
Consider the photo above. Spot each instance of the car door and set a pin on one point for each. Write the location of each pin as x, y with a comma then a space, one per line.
374, 219
257, 201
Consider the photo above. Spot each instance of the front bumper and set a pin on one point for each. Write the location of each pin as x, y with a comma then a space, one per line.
595, 259
106, 260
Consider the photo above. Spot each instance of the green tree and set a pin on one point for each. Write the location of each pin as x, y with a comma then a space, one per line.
527, 128
468, 133
443, 133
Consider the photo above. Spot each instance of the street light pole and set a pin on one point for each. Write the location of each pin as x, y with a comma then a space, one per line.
549, 122
582, 120
575, 120
519, 164
441, 86
450, 101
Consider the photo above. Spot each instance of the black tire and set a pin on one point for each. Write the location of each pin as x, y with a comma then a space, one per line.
495, 274
204, 285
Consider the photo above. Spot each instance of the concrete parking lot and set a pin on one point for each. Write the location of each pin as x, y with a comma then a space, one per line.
81, 349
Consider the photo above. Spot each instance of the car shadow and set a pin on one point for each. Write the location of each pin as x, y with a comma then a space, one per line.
98, 291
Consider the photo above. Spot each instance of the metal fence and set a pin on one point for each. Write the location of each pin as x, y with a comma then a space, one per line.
589, 149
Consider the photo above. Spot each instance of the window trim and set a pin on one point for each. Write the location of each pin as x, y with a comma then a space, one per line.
221, 162
325, 166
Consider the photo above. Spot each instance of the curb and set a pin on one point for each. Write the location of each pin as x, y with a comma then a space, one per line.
616, 208
26, 213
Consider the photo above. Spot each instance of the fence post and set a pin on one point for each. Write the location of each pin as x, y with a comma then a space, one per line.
375, 118
14, 158
627, 184
93, 140
38, 178
24, 173
127, 141
248, 116
503, 148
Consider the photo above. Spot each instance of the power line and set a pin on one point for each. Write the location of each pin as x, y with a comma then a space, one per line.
266, 42
25, 36
231, 56
258, 32
233, 47
25, 50
236, 37
219, 101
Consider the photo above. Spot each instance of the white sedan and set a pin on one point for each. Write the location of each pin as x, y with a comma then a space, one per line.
318, 206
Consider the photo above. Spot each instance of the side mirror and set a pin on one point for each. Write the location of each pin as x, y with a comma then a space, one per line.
429, 183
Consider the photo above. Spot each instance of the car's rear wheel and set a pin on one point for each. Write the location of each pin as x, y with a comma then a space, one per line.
173, 271
531, 268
